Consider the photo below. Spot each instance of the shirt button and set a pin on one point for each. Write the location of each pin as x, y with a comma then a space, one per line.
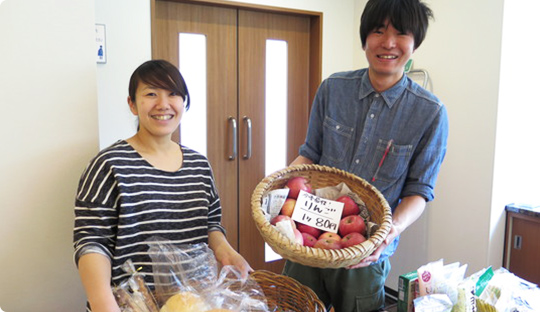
371, 116
357, 161
377, 95
337, 127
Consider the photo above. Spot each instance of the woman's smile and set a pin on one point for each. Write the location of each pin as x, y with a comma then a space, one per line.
162, 117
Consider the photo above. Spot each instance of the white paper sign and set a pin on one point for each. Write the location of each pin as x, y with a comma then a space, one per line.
273, 201
101, 49
318, 212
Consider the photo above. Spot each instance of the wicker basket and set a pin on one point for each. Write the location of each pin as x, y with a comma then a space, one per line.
286, 293
322, 176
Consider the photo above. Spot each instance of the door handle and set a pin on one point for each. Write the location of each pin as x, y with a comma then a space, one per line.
232, 122
517, 241
247, 122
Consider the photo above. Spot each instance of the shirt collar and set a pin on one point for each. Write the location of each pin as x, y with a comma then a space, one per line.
390, 96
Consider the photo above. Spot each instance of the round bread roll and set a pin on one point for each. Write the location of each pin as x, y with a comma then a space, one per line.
185, 302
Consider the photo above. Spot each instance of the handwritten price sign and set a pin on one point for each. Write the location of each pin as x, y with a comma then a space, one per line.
317, 212
272, 202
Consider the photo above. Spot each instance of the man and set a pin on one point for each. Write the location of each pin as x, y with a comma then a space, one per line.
380, 125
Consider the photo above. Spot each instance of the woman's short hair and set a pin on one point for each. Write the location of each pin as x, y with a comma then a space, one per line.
159, 74
404, 15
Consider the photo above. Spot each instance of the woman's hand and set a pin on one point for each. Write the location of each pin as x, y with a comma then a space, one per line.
226, 255
235, 259
95, 272
111, 307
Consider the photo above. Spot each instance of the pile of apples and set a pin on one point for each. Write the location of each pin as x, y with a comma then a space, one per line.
352, 228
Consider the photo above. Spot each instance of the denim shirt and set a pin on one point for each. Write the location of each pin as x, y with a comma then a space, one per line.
351, 125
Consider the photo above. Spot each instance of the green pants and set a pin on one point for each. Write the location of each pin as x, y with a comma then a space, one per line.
355, 290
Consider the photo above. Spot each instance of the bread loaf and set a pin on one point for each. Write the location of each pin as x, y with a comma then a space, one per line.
185, 302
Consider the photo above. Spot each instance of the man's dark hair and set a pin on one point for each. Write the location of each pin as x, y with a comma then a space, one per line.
405, 15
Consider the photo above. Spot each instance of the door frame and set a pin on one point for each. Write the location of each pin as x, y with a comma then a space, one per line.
315, 33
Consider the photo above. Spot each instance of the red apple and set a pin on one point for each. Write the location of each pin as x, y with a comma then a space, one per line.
280, 218
328, 243
352, 239
296, 185
349, 206
330, 235
288, 207
298, 237
350, 224
309, 240
304, 228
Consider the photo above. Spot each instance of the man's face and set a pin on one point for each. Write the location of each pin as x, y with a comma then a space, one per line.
387, 51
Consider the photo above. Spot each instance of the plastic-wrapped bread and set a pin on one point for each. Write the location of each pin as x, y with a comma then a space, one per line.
147, 296
125, 301
185, 302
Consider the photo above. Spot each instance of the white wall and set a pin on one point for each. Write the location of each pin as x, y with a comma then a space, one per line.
48, 132
516, 165
128, 45
463, 54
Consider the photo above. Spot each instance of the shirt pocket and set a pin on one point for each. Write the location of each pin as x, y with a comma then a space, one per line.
337, 140
394, 164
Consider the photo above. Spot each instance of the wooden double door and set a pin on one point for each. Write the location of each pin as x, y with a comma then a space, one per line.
236, 39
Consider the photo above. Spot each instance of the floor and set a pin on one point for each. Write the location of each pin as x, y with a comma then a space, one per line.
391, 308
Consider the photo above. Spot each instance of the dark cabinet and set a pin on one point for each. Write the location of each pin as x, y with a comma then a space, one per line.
522, 242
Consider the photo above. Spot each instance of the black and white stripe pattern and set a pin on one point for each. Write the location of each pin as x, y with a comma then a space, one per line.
122, 201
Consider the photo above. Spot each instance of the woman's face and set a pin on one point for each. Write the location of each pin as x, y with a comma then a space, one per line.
159, 110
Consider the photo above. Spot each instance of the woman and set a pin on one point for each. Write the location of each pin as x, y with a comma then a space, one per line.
146, 186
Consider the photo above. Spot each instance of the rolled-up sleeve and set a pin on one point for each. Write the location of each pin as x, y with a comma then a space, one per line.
427, 159
214, 208
96, 218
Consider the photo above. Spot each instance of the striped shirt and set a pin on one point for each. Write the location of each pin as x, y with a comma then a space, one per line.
122, 201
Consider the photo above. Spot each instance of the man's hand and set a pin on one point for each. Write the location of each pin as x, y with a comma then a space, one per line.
374, 257
409, 210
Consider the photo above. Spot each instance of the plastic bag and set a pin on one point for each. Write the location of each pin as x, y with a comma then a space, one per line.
466, 301
433, 303
133, 295
437, 278
426, 277
192, 271
509, 293
448, 280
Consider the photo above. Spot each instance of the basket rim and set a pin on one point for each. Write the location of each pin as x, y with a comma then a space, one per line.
323, 258
260, 275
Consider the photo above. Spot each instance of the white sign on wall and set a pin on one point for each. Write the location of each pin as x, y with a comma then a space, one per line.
101, 50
